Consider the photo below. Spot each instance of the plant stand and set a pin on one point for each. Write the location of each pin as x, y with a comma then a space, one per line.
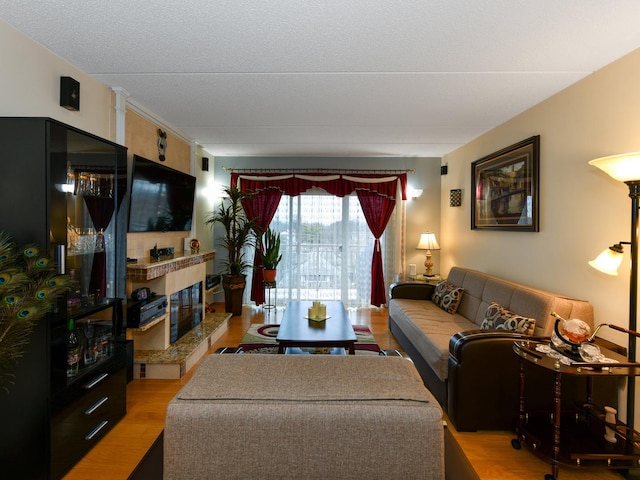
269, 305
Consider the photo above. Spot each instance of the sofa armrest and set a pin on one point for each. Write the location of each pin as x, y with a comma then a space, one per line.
480, 343
411, 290
483, 380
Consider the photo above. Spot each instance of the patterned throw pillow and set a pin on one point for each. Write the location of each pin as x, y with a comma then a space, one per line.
499, 318
447, 296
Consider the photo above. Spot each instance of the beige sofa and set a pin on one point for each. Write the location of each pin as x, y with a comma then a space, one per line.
304, 417
472, 372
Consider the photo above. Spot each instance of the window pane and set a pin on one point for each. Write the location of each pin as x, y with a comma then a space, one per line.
326, 249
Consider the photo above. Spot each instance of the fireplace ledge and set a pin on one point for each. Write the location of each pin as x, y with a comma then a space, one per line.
148, 269
179, 358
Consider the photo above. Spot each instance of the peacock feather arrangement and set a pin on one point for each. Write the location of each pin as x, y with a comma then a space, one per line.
29, 287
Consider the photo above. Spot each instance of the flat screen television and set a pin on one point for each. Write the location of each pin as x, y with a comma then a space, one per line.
161, 198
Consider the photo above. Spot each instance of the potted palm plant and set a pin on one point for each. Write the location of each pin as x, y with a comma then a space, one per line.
271, 255
239, 234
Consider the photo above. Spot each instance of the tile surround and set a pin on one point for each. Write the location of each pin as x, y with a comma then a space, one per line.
148, 270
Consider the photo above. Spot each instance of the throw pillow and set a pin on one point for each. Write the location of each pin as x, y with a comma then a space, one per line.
499, 318
447, 296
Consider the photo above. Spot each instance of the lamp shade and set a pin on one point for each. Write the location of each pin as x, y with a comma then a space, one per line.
609, 260
624, 167
428, 242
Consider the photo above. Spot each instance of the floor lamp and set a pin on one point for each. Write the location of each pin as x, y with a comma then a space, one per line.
625, 168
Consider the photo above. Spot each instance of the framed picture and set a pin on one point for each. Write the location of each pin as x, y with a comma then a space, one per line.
505, 188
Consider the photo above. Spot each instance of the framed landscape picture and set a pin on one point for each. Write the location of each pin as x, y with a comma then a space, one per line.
505, 188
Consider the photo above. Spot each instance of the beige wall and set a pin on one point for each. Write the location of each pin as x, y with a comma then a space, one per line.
141, 137
30, 86
582, 210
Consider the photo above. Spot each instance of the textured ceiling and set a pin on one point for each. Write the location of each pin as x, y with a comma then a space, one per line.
333, 77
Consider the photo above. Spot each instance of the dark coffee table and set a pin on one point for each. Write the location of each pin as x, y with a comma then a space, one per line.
296, 330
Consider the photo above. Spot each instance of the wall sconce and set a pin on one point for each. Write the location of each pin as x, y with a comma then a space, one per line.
624, 168
428, 242
414, 192
455, 197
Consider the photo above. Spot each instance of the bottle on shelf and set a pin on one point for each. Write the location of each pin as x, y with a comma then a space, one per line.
73, 350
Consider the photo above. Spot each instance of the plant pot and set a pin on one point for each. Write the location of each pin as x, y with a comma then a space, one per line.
269, 276
233, 286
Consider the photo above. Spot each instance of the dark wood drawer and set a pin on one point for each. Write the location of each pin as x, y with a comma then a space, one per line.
79, 426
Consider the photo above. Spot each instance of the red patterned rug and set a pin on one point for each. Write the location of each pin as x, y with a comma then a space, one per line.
262, 339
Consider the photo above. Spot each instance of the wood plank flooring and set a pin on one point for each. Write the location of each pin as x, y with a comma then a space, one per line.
116, 455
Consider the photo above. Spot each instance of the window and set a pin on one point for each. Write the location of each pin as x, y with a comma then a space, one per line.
326, 248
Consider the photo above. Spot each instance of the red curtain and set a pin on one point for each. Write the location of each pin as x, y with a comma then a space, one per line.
336, 184
376, 192
377, 210
101, 211
262, 207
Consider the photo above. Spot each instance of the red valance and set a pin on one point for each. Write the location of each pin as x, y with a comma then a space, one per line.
338, 184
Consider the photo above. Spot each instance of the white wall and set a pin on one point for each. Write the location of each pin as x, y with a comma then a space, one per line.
30, 86
582, 210
204, 202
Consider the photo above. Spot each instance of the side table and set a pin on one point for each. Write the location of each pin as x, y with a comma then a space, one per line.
269, 305
433, 280
582, 430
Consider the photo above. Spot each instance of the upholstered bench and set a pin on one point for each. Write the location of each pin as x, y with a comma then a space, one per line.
304, 417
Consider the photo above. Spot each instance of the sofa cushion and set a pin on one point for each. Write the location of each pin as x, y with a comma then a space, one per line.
497, 317
447, 296
414, 317
481, 289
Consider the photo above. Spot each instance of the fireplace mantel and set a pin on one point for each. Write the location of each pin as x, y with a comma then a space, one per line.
148, 269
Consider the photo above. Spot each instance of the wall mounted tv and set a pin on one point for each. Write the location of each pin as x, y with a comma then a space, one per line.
161, 198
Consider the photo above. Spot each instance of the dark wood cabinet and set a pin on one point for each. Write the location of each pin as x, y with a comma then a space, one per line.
65, 189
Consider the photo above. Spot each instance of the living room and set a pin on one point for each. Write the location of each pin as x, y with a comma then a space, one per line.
581, 210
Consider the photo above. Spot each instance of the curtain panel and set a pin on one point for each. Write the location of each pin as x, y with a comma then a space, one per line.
262, 206
376, 192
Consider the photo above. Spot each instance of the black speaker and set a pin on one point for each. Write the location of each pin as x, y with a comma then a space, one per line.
205, 164
69, 93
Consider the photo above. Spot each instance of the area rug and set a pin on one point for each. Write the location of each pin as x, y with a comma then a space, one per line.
261, 338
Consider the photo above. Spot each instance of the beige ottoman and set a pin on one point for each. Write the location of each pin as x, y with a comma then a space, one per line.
304, 417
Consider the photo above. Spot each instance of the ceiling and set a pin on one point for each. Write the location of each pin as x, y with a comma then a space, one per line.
333, 77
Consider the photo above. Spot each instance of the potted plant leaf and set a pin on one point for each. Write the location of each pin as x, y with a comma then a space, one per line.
239, 234
271, 255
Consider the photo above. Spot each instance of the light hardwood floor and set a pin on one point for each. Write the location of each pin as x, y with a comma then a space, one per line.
117, 455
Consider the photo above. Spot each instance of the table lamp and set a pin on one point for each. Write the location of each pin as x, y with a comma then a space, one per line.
428, 242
